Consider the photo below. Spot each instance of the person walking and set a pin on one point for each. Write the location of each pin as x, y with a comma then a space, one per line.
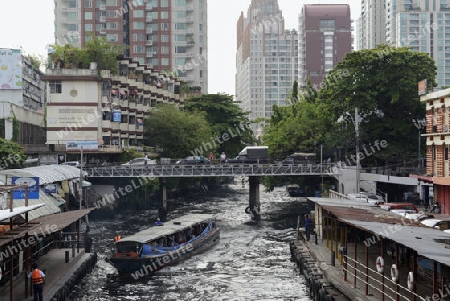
37, 277
223, 157
211, 157
307, 227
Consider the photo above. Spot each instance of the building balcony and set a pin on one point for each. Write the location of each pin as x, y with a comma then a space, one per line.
124, 127
189, 8
115, 125
149, 19
149, 42
149, 30
149, 54
106, 124
148, 6
189, 19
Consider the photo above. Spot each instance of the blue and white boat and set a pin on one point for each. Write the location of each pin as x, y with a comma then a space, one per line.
157, 247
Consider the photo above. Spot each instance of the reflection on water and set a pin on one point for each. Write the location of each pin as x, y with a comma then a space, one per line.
251, 261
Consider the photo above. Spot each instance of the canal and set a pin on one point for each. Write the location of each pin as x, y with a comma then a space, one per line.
251, 262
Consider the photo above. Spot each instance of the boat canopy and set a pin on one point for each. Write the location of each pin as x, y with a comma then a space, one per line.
168, 228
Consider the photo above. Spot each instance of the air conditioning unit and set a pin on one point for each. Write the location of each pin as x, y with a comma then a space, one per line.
445, 128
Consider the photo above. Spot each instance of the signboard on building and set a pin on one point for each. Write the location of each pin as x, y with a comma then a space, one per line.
87, 145
50, 188
10, 69
33, 187
117, 116
422, 87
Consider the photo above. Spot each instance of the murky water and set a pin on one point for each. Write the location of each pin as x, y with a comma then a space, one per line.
251, 261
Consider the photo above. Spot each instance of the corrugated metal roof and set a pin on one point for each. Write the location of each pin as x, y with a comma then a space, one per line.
431, 243
47, 173
4, 214
52, 205
168, 228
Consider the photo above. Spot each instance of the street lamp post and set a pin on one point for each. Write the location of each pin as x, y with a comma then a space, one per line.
80, 194
358, 163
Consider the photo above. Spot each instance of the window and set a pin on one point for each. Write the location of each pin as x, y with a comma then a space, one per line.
180, 38
180, 49
200, 27
112, 37
111, 25
164, 38
87, 27
72, 3
164, 26
165, 61
111, 2
201, 73
72, 15
180, 2
164, 3
72, 27
88, 15
164, 15
111, 14
139, 37
139, 49
138, 25
327, 25
87, 3
180, 14
55, 87
138, 13
180, 26
164, 49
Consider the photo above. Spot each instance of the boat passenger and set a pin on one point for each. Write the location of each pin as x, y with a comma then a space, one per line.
158, 222
117, 237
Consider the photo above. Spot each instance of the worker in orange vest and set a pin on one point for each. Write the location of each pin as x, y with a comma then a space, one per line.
117, 238
37, 277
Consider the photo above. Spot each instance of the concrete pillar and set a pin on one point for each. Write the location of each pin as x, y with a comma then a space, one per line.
163, 208
254, 201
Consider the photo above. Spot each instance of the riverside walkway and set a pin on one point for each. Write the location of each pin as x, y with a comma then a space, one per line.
357, 235
58, 275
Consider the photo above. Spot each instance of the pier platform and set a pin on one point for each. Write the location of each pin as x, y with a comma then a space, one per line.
59, 275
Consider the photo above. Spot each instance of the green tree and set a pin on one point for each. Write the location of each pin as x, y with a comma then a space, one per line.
97, 49
230, 126
382, 84
177, 133
11, 155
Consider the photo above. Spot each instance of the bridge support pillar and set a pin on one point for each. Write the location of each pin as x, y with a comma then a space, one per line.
162, 210
254, 201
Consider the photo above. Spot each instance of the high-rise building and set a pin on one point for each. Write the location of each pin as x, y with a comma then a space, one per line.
166, 35
324, 38
372, 24
422, 25
266, 59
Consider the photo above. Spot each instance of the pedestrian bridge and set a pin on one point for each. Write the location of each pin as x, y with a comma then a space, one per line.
210, 170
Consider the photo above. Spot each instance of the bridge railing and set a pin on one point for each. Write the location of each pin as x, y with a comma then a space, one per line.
210, 170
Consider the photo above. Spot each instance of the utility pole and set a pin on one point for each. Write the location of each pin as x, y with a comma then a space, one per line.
321, 167
418, 155
358, 163
80, 194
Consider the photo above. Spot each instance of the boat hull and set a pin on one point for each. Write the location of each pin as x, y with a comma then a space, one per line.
142, 266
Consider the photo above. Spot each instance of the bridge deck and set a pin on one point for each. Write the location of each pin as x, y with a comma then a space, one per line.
210, 170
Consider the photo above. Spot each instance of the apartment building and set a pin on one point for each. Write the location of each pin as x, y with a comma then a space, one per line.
438, 142
102, 112
372, 24
266, 59
324, 37
22, 101
166, 35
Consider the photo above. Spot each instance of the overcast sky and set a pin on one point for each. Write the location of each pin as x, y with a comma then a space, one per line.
29, 24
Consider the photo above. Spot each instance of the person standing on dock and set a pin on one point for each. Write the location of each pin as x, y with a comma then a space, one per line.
307, 227
37, 277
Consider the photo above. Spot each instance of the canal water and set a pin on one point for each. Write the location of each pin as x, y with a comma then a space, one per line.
251, 261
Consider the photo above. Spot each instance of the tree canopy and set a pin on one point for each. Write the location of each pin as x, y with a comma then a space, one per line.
11, 155
97, 49
230, 126
382, 84
177, 133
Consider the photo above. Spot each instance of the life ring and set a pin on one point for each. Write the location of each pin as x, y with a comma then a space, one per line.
410, 281
380, 264
247, 210
394, 273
